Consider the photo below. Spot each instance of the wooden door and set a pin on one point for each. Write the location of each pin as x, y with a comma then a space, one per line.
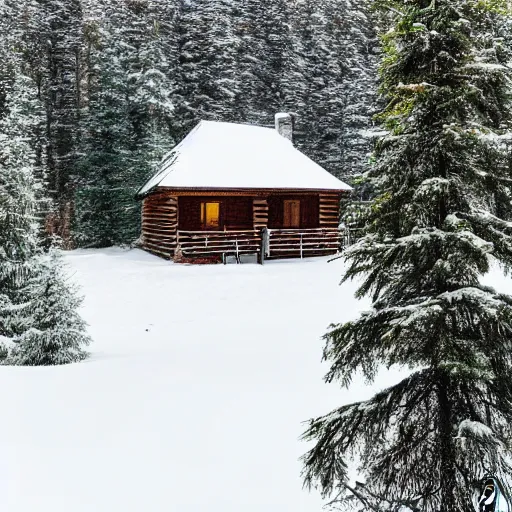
291, 218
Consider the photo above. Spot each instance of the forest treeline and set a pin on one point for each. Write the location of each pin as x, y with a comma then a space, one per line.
111, 85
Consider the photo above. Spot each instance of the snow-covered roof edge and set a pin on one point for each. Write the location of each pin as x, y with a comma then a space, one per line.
172, 158
148, 187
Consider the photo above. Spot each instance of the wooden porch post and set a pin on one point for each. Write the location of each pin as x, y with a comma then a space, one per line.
260, 221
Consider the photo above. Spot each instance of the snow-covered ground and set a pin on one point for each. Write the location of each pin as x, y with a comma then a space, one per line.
194, 395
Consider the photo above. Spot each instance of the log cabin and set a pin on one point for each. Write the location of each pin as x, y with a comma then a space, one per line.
229, 190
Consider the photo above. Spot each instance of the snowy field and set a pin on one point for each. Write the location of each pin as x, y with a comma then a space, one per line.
194, 395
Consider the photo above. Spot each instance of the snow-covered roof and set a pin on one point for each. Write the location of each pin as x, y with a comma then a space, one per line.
220, 155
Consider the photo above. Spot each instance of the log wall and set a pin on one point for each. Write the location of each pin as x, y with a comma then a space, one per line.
160, 224
329, 210
260, 213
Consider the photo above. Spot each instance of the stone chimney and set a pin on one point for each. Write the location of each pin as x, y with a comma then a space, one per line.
285, 124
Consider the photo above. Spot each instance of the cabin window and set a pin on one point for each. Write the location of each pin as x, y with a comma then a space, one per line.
210, 215
291, 217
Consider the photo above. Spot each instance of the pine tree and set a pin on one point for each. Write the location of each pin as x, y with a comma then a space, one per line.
60, 37
353, 35
127, 122
56, 333
321, 107
39, 323
334, 74
444, 213
264, 52
18, 203
209, 81
104, 197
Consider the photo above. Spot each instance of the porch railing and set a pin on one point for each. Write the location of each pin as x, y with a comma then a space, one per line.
303, 243
269, 243
219, 243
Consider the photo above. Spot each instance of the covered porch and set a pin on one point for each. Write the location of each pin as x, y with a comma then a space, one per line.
221, 226
262, 243
278, 225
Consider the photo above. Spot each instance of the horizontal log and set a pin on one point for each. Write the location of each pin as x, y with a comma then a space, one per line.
159, 244
196, 253
147, 213
164, 203
209, 233
304, 230
166, 252
166, 248
161, 204
161, 226
218, 243
161, 198
166, 217
286, 247
305, 249
163, 220
290, 236
162, 214
275, 243
160, 209
220, 248
256, 236
168, 221
160, 238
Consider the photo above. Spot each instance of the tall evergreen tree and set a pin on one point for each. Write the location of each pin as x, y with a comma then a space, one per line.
104, 196
264, 56
209, 82
127, 121
443, 215
39, 323
334, 75
60, 36
321, 107
353, 34
55, 332
18, 204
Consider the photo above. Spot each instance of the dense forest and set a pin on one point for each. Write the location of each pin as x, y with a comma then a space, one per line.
112, 85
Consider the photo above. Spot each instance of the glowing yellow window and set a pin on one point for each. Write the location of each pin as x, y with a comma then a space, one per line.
210, 215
